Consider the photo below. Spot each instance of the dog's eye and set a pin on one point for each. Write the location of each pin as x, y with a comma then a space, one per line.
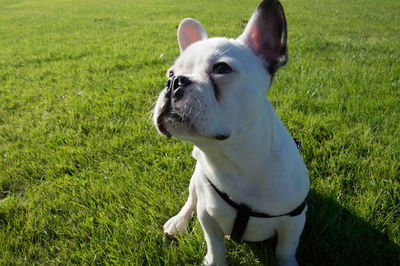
170, 73
222, 68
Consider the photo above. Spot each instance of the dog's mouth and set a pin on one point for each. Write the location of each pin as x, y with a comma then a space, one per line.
169, 116
161, 125
174, 119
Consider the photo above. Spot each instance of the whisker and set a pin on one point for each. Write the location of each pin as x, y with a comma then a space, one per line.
227, 50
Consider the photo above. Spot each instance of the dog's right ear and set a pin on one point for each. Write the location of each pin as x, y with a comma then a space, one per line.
266, 34
189, 32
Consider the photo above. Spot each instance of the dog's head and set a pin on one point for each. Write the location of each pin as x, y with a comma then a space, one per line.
216, 88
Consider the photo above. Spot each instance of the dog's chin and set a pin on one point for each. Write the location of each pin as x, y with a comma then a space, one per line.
176, 125
173, 124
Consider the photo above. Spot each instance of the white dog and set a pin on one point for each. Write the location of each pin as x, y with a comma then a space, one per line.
250, 181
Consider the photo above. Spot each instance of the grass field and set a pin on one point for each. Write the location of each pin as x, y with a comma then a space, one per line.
85, 179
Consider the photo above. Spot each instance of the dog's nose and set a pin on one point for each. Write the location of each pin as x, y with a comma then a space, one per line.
178, 86
183, 81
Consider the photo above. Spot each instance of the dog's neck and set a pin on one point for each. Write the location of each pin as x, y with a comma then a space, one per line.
247, 153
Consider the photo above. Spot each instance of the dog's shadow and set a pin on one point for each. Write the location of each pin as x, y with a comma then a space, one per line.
333, 235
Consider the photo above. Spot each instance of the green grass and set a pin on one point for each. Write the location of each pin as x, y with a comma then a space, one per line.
84, 177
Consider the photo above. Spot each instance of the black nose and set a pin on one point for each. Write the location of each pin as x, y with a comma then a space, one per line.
177, 86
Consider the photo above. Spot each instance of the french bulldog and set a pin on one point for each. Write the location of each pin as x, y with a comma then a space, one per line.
250, 181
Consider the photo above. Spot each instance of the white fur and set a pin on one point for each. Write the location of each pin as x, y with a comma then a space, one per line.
258, 164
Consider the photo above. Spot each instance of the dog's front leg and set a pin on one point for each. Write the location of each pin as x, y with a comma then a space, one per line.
178, 223
216, 252
289, 232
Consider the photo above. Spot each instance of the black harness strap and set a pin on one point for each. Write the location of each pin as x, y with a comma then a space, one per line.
244, 211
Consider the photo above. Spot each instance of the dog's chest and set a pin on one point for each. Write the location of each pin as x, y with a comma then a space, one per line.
257, 229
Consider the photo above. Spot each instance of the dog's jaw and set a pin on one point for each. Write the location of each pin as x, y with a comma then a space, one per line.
166, 122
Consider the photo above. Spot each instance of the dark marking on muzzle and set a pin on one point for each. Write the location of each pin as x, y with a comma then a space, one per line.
176, 86
221, 137
216, 90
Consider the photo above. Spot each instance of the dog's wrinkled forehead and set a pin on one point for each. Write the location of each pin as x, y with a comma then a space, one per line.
202, 55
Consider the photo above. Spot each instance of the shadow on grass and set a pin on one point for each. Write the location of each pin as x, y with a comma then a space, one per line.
335, 236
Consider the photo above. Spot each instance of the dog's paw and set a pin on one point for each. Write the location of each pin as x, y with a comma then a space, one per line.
175, 225
209, 260
286, 262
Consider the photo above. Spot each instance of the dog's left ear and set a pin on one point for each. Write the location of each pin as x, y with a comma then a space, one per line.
189, 32
266, 34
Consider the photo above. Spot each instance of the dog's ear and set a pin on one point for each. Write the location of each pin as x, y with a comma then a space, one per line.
189, 32
266, 34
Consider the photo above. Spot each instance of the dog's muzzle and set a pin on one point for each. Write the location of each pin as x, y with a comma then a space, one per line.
175, 89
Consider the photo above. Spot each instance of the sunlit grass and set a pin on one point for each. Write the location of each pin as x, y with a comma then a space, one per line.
84, 177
